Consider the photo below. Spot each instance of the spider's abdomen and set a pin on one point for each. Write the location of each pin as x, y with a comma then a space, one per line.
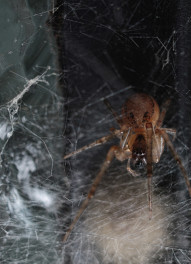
138, 110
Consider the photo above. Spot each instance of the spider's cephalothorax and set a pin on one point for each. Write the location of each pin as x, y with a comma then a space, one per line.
142, 141
138, 110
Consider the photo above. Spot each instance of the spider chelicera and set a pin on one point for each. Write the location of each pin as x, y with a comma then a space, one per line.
142, 141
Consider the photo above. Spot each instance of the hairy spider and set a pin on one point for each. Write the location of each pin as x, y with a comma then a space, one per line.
142, 141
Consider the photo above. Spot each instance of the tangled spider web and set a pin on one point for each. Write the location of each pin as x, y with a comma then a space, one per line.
104, 49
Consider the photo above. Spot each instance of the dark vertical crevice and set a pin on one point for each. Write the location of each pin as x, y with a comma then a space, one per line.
56, 24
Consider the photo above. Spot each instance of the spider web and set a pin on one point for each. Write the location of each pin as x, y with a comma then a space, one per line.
59, 61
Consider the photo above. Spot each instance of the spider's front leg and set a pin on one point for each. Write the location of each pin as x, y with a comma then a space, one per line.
109, 157
176, 157
149, 129
98, 142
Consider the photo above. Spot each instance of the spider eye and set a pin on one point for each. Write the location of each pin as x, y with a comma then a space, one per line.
131, 115
146, 116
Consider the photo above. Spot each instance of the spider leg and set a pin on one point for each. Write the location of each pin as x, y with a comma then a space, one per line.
149, 129
107, 103
163, 112
170, 131
156, 142
176, 157
98, 142
109, 157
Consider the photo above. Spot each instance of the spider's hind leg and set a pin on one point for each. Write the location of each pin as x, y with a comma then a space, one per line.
109, 158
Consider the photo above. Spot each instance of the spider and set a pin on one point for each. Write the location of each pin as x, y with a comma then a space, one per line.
142, 141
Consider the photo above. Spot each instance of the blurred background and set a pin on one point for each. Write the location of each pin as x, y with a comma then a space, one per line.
58, 62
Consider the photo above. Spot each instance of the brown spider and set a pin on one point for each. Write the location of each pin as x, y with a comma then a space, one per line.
142, 141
